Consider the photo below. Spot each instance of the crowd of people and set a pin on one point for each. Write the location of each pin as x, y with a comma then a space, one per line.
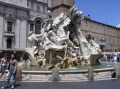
111, 57
11, 65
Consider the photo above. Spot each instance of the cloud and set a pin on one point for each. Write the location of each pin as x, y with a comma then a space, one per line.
118, 25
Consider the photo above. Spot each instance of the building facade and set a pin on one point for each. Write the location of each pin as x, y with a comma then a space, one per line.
17, 19
108, 37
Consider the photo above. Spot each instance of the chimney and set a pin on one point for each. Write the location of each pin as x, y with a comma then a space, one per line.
88, 17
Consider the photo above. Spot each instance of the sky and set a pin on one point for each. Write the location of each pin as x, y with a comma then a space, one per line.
105, 11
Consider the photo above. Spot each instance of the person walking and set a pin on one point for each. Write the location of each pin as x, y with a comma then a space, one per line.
3, 65
12, 72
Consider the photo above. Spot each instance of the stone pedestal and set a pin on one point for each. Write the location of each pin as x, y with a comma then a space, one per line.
90, 74
55, 74
19, 74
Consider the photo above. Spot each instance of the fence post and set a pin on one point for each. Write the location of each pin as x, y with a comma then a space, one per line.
117, 70
90, 74
55, 74
19, 74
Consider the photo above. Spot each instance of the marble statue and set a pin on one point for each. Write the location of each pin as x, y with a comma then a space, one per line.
61, 43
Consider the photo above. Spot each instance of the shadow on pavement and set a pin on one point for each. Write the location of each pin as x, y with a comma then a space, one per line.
17, 85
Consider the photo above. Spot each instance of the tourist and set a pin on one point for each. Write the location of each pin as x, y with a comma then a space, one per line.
12, 72
3, 65
113, 74
115, 58
105, 57
118, 57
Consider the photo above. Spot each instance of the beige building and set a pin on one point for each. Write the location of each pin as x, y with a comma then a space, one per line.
107, 36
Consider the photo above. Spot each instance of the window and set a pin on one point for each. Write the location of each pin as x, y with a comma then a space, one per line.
31, 27
9, 26
97, 31
28, 3
92, 29
44, 9
97, 39
117, 42
109, 41
41, 8
38, 27
9, 43
113, 42
106, 40
101, 31
106, 31
115, 50
37, 7
32, 5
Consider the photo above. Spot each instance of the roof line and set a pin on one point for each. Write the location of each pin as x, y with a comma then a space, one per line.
103, 23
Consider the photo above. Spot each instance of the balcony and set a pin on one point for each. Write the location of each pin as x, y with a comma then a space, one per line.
102, 42
9, 33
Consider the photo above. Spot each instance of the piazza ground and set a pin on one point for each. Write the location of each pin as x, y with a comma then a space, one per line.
103, 84
69, 81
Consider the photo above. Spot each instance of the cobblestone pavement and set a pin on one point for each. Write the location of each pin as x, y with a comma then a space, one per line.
77, 81
102, 84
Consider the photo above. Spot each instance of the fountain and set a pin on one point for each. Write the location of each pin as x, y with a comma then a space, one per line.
61, 43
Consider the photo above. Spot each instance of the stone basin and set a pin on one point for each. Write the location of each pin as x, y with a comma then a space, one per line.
102, 66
